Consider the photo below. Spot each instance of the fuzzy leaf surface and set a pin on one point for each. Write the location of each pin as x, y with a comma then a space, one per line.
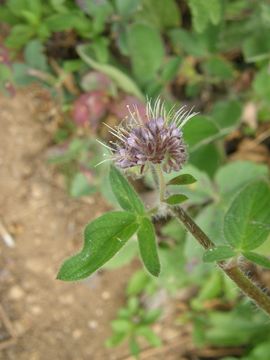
257, 259
176, 199
103, 238
148, 246
124, 192
247, 222
184, 179
218, 254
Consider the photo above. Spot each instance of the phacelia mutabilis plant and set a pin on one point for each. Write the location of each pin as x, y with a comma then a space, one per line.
156, 143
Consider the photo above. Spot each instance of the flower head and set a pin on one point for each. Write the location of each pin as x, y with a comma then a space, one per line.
155, 139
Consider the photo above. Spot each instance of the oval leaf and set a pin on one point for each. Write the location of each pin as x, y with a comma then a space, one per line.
124, 192
148, 246
146, 59
200, 130
184, 179
103, 238
176, 199
218, 254
257, 259
246, 224
231, 177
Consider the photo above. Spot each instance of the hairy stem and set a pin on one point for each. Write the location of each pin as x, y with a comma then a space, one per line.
231, 269
161, 183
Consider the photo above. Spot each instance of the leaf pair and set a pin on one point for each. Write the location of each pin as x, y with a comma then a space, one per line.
184, 179
246, 225
106, 235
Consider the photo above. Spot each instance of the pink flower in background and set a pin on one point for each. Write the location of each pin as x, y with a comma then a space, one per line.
90, 108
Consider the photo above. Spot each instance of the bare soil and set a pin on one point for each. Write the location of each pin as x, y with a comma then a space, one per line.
47, 319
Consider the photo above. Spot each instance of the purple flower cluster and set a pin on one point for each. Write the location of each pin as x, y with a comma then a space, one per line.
153, 139
152, 142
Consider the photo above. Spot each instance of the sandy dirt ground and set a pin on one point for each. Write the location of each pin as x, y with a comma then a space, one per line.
50, 319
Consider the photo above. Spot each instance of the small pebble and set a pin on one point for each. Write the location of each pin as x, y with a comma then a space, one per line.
16, 293
92, 324
106, 295
76, 334
36, 310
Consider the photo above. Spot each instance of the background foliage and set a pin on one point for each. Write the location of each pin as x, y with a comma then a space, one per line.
96, 57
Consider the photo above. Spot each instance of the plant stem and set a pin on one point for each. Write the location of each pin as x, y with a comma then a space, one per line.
161, 183
231, 269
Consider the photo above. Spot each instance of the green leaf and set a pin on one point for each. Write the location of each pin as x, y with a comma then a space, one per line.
246, 223
16, 6
80, 186
31, 18
231, 177
257, 46
212, 288
35, 6
67, 21
116, 339
59, 5
215, 10
149, 335
188, 42
120, 78
200, 16
133, 305
103, 238
257, 258
184, 179
261, 84
19, 36
204, 12
218, 254
21, 75
100, 13
200, 130
134, 347
170, 69
121, 325
151, 316
5, 74
137, 283
127, 7
198, 193
6, 16
146, 59
34, 55
148, 246
124, 192
159, 13
226, 114
212, 153
218, 68
176, 199
124, 257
